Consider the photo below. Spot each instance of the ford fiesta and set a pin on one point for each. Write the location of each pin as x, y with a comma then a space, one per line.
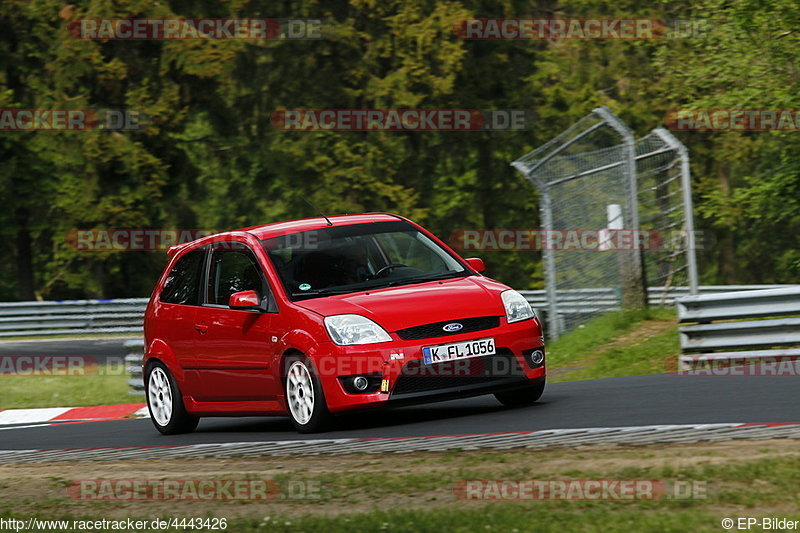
314, 317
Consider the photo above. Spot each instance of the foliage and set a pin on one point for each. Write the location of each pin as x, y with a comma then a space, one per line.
209, 157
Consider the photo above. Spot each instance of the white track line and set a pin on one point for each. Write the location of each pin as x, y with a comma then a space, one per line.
28, 426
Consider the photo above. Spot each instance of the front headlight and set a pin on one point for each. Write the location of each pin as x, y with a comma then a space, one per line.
517, 307
354, 329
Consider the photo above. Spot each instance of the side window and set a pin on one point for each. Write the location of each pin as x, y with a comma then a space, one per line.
233, 269
183, 283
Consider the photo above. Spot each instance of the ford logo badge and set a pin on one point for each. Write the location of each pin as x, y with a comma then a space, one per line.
452, 326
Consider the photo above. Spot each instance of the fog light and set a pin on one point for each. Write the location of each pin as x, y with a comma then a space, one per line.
537, 357
360, 383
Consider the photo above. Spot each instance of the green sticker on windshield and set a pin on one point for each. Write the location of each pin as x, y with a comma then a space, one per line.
304, 286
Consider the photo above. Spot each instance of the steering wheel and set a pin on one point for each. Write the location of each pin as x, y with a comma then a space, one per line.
386, 268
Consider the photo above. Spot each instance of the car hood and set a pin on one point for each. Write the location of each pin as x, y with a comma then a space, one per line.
414, 305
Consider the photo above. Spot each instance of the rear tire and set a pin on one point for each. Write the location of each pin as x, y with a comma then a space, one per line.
165, 403
305, 400
521, 397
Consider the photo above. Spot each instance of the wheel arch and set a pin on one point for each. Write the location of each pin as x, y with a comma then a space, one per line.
158, 350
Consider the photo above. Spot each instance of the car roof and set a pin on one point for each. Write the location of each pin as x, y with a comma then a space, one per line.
277, 229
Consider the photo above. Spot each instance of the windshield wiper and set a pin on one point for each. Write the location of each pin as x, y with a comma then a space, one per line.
422, 279
318, 292
393, 283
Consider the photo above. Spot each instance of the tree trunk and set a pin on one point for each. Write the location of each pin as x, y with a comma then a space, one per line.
24, 256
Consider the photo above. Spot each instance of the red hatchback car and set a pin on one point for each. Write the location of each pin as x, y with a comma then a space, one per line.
319, 316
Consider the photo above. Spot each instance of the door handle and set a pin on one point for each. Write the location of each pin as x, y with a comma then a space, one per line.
202, 327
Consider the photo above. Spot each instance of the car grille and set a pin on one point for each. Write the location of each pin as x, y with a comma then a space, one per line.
418, 377
429, 331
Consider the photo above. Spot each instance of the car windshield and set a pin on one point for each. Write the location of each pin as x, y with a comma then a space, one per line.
345, 259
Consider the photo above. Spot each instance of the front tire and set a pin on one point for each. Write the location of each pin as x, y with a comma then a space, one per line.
165, 403
305, 400
521, 397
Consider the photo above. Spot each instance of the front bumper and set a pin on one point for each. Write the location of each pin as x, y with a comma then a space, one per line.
407, 379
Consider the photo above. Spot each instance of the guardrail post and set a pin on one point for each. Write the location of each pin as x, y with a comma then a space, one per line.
133, 364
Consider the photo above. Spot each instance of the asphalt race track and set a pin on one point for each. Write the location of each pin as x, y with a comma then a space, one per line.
101, 349
628, 401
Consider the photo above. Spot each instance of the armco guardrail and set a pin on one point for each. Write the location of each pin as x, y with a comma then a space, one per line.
19, 319
755, 324
657, 295
580, 301
125, 315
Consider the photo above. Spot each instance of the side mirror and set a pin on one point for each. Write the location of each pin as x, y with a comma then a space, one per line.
476, 263
245, 301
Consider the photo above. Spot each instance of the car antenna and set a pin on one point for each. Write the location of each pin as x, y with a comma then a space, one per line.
315, 208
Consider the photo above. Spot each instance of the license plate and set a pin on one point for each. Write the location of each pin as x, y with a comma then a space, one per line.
458, 350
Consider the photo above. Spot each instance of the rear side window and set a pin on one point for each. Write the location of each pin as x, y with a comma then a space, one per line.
183, 283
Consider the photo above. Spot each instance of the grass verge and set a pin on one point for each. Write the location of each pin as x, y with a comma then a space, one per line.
622, 343
24, 392
415, 493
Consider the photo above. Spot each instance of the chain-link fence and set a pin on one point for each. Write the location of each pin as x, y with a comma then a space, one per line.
665, 211
613, 210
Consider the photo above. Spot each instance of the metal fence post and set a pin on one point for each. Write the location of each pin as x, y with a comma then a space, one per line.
549, 267
635, 289
688, 206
